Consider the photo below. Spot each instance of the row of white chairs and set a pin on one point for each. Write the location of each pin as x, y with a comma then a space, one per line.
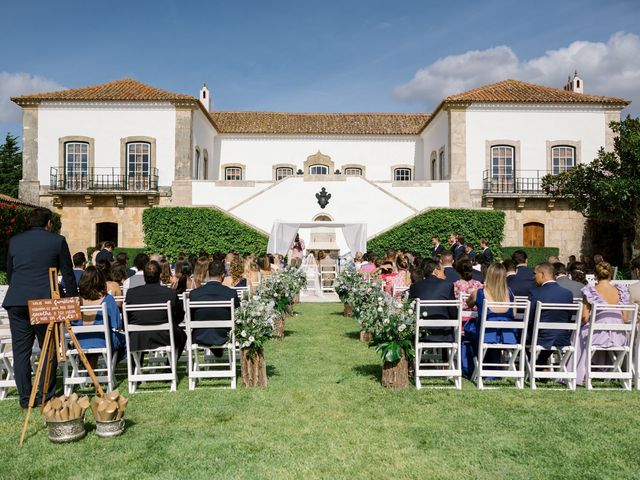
515, 364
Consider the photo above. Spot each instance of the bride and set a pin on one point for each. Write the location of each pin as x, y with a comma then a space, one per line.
311, 271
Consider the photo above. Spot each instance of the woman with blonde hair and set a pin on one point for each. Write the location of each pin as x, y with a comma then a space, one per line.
236, 276
264, 267
200, 273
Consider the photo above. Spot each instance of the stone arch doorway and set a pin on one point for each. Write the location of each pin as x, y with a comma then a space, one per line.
106, 231
533, 234
323, 217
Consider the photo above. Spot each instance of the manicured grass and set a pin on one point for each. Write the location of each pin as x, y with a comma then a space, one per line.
325, 415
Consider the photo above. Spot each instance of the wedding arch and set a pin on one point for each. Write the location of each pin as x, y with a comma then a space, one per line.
283, 234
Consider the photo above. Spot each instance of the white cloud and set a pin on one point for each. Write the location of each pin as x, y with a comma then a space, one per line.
611, 68
15, 84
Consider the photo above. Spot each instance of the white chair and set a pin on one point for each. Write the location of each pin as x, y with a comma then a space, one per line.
240, 291
328, 274
453, 367
208, 367
7, 377
621, 357
400, 290
565, 368
135, 369
513, 354
74, 372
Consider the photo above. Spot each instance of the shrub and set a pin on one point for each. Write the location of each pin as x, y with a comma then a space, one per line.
171, 230
415, 234
535, 255
3, 278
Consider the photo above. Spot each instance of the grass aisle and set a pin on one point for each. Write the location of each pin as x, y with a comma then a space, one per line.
325, 414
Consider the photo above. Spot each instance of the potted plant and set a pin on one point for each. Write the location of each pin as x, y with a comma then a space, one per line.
282, 288
363, 297
343, 285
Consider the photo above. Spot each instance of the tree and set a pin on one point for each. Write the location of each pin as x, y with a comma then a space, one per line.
10, 166
608, 188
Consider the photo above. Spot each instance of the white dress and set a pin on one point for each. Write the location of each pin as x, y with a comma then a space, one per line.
310, 269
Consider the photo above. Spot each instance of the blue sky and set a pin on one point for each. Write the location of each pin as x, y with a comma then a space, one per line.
318, 56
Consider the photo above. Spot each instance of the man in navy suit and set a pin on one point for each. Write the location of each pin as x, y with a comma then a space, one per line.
79, 265
461, 248
522, 282
213, 291
446, 264
549, 291
29, 258
437, 249
435, 287
487, 255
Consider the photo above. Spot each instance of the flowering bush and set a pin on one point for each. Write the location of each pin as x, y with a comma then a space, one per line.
282, 287
362, 296
345, 281
393, 326
254, 322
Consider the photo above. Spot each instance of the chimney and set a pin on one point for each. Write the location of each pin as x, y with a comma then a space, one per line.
574, 84
205, 97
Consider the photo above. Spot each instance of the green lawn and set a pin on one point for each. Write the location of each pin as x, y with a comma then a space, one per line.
325, 415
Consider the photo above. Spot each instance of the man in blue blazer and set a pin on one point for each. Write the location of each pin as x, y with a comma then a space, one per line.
29, 258
446, 265
213, 291
522, 282
549, 291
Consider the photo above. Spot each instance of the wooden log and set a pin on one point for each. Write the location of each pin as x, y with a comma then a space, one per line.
395, 375
254, 368
278, 330
365, 337
348, 310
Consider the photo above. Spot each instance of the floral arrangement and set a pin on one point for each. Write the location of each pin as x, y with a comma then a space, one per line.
362, 296
345, 281
255, 321
282, 287
392, 324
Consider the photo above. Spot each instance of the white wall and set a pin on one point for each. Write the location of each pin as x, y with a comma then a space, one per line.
434, 137
260, 152
532, 126
203, 136
106, 123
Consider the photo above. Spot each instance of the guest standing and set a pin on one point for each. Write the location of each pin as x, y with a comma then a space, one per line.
106, 254
297, 249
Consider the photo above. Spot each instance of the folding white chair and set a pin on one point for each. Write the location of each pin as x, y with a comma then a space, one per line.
621, 357
453, 367
328, 275
135, 368
7, 378
240, 291
513, 354
74, 371
207, 366
565, 368
399, 291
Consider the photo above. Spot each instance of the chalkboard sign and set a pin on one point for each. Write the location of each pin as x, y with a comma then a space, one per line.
48, 310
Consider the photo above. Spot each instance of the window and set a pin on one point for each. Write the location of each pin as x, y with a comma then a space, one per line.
233, 174
196, 165
353, 171
318, 170
443, 166
402, 175
138, 162
563, 159
283, 172
502, 162
76, 165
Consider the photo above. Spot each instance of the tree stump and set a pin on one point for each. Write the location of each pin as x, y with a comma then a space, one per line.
365, 337
254, 368
278, 327
348, 310
296, 299
290, 310
396, 374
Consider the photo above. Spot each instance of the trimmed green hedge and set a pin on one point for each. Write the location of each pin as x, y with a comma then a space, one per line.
171, 230
415, 234
535, 255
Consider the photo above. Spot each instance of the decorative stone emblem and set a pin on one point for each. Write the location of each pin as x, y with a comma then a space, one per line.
323, 197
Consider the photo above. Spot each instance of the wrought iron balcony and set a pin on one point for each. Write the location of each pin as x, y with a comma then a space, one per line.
103, 180
520, 183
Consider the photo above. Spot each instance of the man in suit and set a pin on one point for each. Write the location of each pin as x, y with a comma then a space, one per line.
487, 255
213, 291
79, 264
106, 254
461, 248
564, 281
446, 265
435, 287
548, 291
29, 258
437, 249
137, 279
522, 282
453, 242
470, 252
153, 292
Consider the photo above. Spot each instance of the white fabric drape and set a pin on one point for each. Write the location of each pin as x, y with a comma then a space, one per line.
282, 237
312, 273
283, 234
356, 236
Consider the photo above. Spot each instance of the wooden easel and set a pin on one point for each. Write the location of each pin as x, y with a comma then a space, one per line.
54, 342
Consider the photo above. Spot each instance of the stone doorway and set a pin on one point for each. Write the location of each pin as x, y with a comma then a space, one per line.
106, 231
533, 234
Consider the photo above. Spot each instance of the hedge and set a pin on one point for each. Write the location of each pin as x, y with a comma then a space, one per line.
535, 255
171, 230
415, 234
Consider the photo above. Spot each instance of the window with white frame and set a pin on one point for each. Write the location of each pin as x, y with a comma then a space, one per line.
233, 174
318, 170
283, 172
502, 162
353, 171
402, 175
76, 165
563, 159
138, 165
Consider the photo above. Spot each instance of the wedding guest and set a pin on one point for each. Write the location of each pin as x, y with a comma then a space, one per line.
106, 254
274, 262
119, 273
603, 293
264, 267
368, 266
167, 278
200, 273
552, 259
399, 279
358, 260
562, 277
183, 276
113, 288
437, 249
461, 248
453, 243
122, 258
487, 254
522, 282
137, 279
79, 264
236, 274
465, 285
296, 252
468, 249
95, 253
578, 272
446, 264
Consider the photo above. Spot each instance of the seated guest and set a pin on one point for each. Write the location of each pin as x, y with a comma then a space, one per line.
166, 276
550, 291
213, 291
200, 273
368, 265
113, 287
106, 254
560, 272
119, 273
123, 259
358, 260
79, 265
137, 279
274, 262
183, 276
264, 267
152, 292
236, 274
522, 282
93, 291
401, 278
465, 285
446, 264
578, 272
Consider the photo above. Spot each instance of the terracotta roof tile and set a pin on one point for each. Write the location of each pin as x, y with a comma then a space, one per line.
517, 91
126, 89
6, 199
320, 123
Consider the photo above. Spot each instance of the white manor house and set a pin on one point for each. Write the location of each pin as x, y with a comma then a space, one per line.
100, 155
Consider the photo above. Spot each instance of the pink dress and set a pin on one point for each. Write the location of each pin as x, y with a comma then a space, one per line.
601, 338
463, 286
